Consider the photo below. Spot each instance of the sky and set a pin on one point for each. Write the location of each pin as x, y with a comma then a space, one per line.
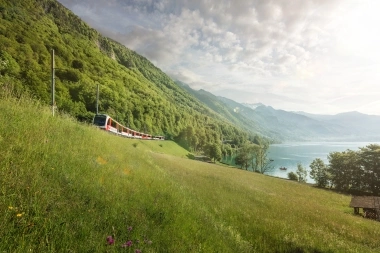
316, 56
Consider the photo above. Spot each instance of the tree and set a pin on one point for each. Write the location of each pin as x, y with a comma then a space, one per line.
301, 173
370, 160
261, 163
292, 176
244, 156
319, 172
356, 170
338, 171
214, 151
8, 65
353, 170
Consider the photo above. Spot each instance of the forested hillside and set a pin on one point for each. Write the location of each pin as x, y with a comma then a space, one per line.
218, 106
132, 89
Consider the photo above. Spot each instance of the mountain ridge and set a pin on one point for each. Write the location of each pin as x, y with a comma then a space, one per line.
281, 125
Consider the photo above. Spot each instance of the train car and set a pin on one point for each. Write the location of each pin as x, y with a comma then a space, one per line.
105, 122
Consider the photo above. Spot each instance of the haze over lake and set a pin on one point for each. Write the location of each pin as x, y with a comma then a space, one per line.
288, 155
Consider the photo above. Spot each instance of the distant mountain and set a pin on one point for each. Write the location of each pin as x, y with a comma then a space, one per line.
283, 125
349, 126
280, 125
253, 106
222, 109
354, 122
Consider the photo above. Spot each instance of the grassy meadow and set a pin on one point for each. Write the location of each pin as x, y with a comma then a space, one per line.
66, 187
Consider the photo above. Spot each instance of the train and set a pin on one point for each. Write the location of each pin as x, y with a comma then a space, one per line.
105, 122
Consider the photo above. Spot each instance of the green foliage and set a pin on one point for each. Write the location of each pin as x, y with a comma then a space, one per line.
261, 163
301, 173
66, 187
370, 164
132, 89
244, 156
255, 156
293, 176
214, 151
356, 170
70, 75
8, 65
319, 172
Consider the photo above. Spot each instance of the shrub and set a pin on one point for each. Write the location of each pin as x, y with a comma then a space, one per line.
292, 176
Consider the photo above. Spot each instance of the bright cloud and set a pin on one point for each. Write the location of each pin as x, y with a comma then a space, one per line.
313, 55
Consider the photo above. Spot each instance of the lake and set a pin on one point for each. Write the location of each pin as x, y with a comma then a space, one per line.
288, 155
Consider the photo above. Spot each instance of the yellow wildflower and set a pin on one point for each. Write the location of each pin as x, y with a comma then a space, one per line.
100, 160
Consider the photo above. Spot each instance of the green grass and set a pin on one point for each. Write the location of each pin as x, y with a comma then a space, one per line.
65, 187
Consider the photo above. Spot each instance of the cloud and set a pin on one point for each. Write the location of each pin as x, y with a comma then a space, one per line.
233, 32
290, 48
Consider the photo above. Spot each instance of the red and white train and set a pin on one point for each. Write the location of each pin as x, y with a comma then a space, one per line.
105, 122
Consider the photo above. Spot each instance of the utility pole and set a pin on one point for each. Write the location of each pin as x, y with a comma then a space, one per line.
52, 82
97, 99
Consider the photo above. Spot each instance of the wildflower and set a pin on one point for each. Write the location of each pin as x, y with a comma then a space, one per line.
138, 251
127, 244
19, 215
10, 207
130, 228
110, 240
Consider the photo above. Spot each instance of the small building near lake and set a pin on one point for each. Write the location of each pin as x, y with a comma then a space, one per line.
369, 204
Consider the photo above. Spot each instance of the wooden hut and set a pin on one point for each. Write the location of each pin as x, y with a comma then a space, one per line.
370, 205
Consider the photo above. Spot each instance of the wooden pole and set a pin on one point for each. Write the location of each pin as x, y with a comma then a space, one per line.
97, 99
52, 82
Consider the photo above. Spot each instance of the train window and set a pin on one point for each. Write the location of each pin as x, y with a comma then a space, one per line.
114, 124
100, 120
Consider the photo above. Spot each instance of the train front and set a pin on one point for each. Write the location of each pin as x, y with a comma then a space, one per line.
100, 120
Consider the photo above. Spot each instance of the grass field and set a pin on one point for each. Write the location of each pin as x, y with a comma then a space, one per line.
66, 187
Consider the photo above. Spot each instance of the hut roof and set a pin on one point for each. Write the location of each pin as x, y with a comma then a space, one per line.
365, 202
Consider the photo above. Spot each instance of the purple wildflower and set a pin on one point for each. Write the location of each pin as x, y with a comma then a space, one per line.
130, 228
127, 244
110, 240
138, 251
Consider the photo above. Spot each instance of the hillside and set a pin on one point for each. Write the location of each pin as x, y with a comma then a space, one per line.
67, 187
132, 89
281, 125
220, 108
349, 126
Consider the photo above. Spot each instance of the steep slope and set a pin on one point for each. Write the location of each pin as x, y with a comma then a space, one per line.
221, 109
132, 89
61, 194
292, 126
